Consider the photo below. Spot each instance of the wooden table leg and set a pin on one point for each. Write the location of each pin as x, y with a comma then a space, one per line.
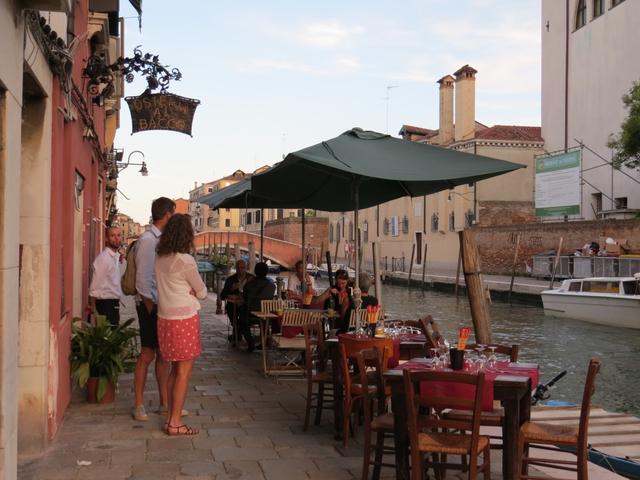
400, 434
263, 342
338, 394
515, 395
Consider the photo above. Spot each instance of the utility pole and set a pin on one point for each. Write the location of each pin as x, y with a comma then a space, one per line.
387, 98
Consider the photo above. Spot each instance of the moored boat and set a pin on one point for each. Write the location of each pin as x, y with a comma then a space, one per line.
613, 301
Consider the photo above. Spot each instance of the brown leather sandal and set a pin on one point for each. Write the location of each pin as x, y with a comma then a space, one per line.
181, 430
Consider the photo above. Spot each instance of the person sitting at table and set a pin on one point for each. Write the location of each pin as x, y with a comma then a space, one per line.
338, 298
299, 283
232, 294
365, 285
258, 289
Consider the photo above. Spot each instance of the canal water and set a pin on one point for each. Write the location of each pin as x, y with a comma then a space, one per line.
555, 344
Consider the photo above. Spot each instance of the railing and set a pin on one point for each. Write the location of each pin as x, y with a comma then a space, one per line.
582, 267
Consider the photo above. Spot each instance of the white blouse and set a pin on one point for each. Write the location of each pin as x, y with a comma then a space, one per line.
176, 275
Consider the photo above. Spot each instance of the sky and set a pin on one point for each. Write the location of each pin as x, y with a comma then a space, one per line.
276, 76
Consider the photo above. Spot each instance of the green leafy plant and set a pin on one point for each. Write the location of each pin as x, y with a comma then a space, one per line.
626, 145
102, 351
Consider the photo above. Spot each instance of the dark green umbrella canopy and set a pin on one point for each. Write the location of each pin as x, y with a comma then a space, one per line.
240, 195
324, 175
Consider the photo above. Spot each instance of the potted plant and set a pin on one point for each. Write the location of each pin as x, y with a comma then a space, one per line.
101, 352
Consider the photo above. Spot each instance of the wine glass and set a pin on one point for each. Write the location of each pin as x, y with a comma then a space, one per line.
480, 361
492, 361
435, 357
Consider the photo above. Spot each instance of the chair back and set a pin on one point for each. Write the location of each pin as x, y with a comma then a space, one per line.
589, 390
435, 401
361, 318
315, 354
510, 351
431, 332
267, 306
299, 318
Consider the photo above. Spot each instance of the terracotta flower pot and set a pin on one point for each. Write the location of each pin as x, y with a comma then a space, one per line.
92, 390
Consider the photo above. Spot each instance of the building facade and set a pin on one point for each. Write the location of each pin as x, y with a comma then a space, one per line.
430, 224
54, 202
206, 219
130, 229
589, 51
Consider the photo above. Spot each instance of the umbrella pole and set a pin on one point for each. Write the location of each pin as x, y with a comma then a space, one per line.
262, 234
304, 261
357, 295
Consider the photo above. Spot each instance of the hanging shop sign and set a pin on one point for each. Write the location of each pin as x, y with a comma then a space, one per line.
162, 111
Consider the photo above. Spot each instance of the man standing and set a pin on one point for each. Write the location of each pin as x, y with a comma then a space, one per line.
232, 294
105, 290
147, 307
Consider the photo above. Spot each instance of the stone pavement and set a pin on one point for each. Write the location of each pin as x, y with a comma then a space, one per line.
251, 428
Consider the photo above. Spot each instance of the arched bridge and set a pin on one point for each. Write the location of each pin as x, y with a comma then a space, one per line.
281, 252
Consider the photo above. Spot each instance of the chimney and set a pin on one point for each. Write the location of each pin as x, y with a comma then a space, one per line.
465, 103
445, 133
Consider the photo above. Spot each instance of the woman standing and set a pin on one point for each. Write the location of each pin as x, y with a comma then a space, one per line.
179, 286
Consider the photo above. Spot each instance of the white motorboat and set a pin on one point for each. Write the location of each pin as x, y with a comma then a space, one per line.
613, 301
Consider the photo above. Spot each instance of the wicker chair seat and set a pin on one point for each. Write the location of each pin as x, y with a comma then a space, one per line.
549, 433
382, 423
488, 419
449, 443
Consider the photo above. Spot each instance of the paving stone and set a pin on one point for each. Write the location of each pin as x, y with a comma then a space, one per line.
200, 455
224, 454
254, 441
170, 443
202, 468
290, 469
243, 469
128, 457
104, 473
203, 441
159, 469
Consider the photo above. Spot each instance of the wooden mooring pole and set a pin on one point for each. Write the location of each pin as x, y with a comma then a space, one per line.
413, 253
424, 265
515, 264
555, 262
475, 290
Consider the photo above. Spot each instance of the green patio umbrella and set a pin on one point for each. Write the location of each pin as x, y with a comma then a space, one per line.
360, 169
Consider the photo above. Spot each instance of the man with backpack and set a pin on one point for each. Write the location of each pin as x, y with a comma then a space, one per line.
147, 308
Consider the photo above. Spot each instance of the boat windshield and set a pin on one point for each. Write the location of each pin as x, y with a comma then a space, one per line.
631, 287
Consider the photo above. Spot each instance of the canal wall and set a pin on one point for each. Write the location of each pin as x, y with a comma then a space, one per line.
496, 244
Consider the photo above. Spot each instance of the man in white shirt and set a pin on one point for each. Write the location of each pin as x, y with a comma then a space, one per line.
296, 287
147, 307
105, 290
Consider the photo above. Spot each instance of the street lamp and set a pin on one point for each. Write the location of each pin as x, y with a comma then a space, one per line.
143, 165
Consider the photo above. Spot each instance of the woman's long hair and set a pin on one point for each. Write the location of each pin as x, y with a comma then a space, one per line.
177, 236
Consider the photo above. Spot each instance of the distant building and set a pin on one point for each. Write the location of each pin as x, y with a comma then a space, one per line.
436, 219
182, 205
130, 229
205, 219
589, 60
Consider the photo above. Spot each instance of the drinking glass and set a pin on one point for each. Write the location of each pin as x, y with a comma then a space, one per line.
480, 361
435, 362
492, 361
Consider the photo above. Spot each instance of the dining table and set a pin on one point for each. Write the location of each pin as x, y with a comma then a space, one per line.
509, 383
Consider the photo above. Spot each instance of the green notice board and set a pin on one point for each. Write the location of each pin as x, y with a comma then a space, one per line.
558, 184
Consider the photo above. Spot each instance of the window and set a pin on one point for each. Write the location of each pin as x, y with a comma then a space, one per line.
596, 201
405, 224
385, 226
365, 231
621, 203
469, 218
338, 231
581, 14
299, 212
210, 190
598, 8
280, 214
248, 218
631, 287
452, 222
616, 2
331, 233
395, 226
210, 221
227, 222
258, 216
435, 220
227, 209
600, 286
351, 237
574, 286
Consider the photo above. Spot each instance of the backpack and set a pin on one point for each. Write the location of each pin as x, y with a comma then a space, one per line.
128, 282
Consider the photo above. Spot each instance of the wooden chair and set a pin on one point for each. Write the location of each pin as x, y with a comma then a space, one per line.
381, 424
496, 417
267, 306
437, 440
291, 348
317, 372
362, 318
541, 435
